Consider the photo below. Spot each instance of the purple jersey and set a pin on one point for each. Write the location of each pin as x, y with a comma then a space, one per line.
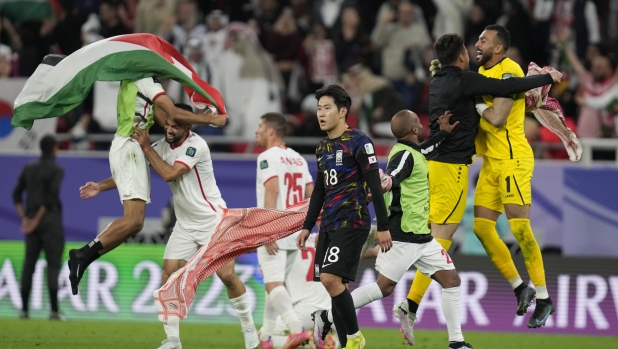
343, 161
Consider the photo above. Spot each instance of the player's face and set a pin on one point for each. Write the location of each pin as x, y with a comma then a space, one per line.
261, 134
485, 46
329, 116
174, 132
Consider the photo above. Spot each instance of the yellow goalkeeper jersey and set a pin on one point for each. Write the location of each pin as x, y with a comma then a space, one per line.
508, 141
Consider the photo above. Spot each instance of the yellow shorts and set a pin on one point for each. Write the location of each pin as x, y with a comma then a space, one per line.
448, 189
504, 182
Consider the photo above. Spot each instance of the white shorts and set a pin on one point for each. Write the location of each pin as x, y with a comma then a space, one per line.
129, 169
429, 258
275, 267
183, 244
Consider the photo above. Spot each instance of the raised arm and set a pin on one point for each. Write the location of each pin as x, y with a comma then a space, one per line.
186, 117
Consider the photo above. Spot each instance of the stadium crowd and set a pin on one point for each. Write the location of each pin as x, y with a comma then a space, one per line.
271, 55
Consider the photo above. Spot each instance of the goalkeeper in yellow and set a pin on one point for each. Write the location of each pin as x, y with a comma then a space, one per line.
505, 179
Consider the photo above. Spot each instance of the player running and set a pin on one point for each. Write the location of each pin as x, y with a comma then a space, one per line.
347, 165
454, 88
140, 104
283, 179
505, 179
183, 160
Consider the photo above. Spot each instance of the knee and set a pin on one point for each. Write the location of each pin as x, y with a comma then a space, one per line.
452, 280
227, 275
387, 290
331, 283
136, 225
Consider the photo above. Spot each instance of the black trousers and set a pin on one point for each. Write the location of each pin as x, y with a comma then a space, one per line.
49, 237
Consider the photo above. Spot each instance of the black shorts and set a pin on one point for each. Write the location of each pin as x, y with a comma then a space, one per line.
338, 253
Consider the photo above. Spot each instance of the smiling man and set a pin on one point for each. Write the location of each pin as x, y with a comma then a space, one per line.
347, 165
504, 180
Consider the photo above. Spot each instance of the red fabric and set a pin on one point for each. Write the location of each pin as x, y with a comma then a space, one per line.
240, 231
167, 51
549, 137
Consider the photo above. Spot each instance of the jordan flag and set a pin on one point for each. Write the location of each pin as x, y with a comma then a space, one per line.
61, 83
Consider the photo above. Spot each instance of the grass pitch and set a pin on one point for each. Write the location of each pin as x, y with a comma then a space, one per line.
89, 334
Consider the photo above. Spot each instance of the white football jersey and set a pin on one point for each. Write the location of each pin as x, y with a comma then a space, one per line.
290, 170
197, 199
299, 281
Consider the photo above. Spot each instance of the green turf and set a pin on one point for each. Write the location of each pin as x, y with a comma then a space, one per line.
87, 334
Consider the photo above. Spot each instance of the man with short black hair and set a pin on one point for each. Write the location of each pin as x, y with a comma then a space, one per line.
41, 222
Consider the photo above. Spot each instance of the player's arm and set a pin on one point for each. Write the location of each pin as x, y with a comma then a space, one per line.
92, 189
167, 172
446, 128
474, 84
18, 192
183, 116
315, 206
497, 114
308, 190
574, 61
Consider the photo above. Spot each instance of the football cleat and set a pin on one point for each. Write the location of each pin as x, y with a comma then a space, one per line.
459, 345
406, 319
76, 270
524, 298
544, 308
296, 339
57, 315
251, 338
267, 344
321, 327
356, 343
171, 343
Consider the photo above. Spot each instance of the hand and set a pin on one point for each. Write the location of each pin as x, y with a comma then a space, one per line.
28, 225
434, 67
90, 190
386, 181
302, 239
216, 119
272, 248
555, 75
443, 121
142, 138
384, 240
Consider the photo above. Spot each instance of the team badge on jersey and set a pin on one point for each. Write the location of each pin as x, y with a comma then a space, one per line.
372, 160
263, 164
369, 149
339, 157
191, 151
506, 76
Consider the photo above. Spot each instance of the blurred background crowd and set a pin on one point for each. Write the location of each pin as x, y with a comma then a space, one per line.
271, 55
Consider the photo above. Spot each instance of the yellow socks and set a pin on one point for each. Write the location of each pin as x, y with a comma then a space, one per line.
532, 254
485, 230
421, 282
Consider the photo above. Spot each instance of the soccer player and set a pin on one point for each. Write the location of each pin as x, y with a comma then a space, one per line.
307, 295
347, 165
407, 188
283, 179
504, 181
183, 160
140, 104
454, 88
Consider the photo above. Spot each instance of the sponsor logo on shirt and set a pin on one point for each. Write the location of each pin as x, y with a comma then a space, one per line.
372, 160
339, 157
506, 76
191, 151
263, 164
369, 149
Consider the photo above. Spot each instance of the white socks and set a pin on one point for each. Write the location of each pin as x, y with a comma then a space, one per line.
269, 321
172, 329
452, 313
363, 296
281, 301
243, 309
541, 292
516, 282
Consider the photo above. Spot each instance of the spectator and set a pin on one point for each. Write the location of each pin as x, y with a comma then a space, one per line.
586, 25
302, 16
379, 101
268, 12
284, 42
152, 14
187, 25
248, 80
394, 39
517, 21
327, 11
67, 31
105, 25
322, 68
41, 218
596, 82
6, 62
352, 45
450, 16
214, 38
